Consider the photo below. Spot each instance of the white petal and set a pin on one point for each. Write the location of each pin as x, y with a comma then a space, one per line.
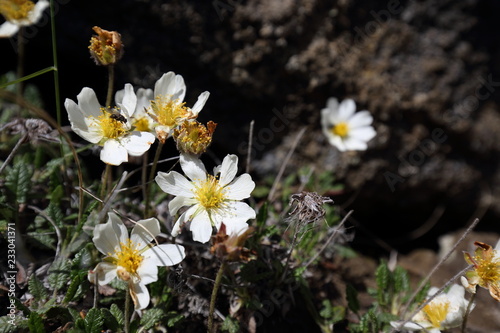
228, 169
178, 202
326, 120
363, 133
360, 119
240, 211
165, 254
144, 97
129, 100
36, 13
201, 228
183, 219
332, 103
113, 153
200, 103
145, 231
346, 109
105, 272
235, 227
88, 103
193, 167
336, 141
107, 236
137, 143
179, 88
354, 144
148, 270
75, 115
174, 183
240, 188
8, 29
165, 85
140, 295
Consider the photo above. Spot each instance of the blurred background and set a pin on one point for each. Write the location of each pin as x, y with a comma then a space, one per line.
428, 71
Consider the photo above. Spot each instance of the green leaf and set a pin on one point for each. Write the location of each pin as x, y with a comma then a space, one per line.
382, 276
352, 299
117, 313
230, 325
110, 321
151, 317
18, 180
37, 289
401, 280
59, 273
35, 323
73, 287
55, 213
93, 321
173, 318
29, 76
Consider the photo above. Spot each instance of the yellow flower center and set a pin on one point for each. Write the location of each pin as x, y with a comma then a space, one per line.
436, 312
112, 127
209, 193
341, 129
142, 124
16, 9
488, 271
169, 112
128, 258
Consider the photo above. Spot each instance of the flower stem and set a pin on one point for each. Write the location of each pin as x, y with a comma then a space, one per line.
150, 180
466, 314
111, 80
105, 181
127, 311
217, 283
20, 61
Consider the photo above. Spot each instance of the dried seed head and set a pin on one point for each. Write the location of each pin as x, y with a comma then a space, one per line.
307, 207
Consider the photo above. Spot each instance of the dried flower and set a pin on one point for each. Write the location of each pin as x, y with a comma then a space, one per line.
20, 13
230, 247
486, 270
308, 207
106, 48
192, 137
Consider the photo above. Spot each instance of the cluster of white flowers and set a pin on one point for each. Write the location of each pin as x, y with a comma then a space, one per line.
210, 200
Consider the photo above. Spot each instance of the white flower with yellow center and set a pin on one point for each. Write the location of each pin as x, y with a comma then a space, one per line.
168, 107
133, 259
19, 13
443, 312
141, 120
345, 128
108, 127
212, 199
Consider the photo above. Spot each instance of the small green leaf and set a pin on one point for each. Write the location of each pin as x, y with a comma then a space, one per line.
110, 321
401, 280
18, 180
117, 313
37, 289
352, 298
173, 318
35, 323
59, 273
73, 287
230, 325
151, 317
93, 321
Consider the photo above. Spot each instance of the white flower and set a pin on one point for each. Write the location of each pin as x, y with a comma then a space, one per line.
108, 128
212, 199
134, 260
168, 108
19, 13
344, 128
140, 120
443, 312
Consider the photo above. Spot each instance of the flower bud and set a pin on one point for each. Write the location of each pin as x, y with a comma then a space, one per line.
193, 137
106, 48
